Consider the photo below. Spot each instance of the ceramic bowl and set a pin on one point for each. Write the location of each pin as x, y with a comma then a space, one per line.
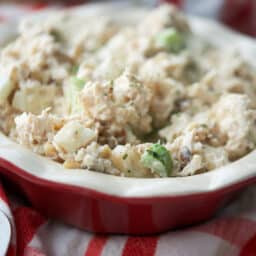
107, 204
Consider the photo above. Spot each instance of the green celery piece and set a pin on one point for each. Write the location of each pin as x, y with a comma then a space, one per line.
78, 82
171, 40
74, 89
158, 159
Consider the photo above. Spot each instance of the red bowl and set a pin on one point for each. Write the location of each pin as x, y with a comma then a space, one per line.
98, 212
103, 213
107, 204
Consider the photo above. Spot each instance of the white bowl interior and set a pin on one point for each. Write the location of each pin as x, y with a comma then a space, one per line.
41, 167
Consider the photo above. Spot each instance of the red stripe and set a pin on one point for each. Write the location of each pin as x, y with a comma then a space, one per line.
140, 246
37, 6
236, 231
2, 193
178, 3
96, 246
11, 251
250, 248
27, 222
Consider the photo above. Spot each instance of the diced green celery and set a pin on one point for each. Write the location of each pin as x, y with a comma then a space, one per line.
158, 159
74, 69
78, 82
171, 40
72, 94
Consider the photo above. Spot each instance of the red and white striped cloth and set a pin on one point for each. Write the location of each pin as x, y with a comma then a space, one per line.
231, 233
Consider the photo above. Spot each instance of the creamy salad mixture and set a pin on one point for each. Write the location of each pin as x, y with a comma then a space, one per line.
146, 100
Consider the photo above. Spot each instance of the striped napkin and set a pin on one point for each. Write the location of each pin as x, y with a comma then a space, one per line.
24, 232
231, 233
